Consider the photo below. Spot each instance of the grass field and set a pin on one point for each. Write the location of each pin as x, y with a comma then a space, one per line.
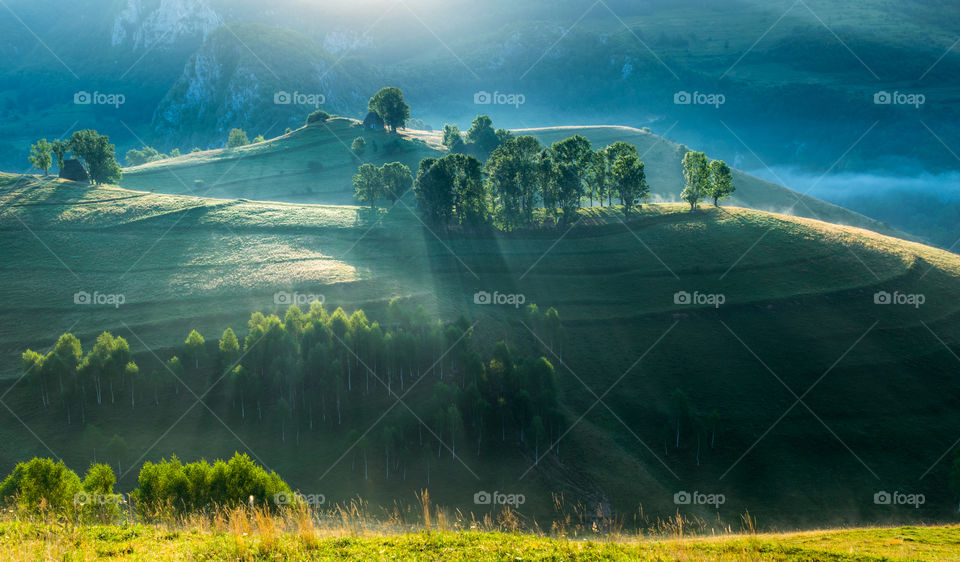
799, 308
260, 538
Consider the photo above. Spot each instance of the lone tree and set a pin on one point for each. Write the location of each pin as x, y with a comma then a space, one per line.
389, 105
696, 173
40, 156
238, 137
368, 184
721, 181
98, 155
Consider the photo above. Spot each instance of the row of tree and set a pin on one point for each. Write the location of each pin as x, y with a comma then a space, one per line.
316, 369
94, 151
521, 176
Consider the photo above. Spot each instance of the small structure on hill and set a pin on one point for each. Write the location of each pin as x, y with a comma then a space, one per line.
73, 170
373, 121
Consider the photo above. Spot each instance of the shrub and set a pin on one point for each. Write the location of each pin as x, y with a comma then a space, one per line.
173, 488
238, 137
318, 116
41, 484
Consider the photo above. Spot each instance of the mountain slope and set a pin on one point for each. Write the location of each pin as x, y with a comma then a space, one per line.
311, 164
799, 310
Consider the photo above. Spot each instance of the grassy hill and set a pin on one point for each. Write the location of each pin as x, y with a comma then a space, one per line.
799, 308
315, 165
309, 165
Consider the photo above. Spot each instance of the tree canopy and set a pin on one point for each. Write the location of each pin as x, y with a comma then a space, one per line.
98, 156
389, 105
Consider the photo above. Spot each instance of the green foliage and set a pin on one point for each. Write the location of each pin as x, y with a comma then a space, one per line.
194, 348
481, 133
630, 180
696, 174
318, 116
98, 156
229, 349
40, 155
42, 484
258, 138
397, 180
452, 188
453, 138
358, 147
389, 105
237, 138
147, 154
512, 179
368, 184
721, 181
173, 488
60, 149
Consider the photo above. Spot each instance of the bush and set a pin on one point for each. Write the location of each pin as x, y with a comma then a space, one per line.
238, 137
318, 116
173, 488
42, 484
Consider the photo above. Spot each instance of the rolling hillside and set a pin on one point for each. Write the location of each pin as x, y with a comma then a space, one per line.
799, 312
315, 165
309, 165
